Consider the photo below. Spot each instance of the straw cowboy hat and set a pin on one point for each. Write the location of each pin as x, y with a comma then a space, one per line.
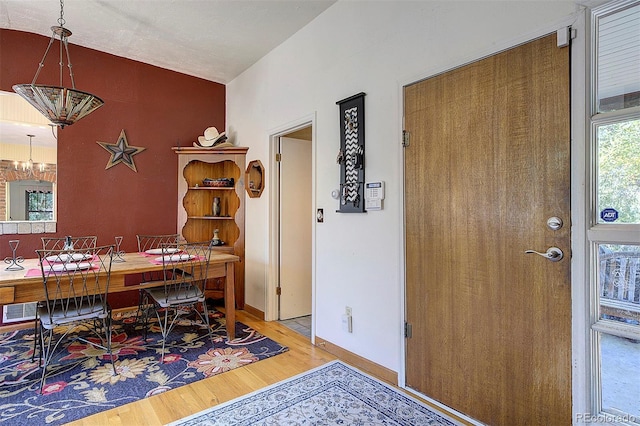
211, 137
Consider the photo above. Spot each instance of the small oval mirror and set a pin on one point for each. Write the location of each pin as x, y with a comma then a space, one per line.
254, 179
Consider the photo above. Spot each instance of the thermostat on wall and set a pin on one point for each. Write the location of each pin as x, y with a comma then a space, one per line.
373, 195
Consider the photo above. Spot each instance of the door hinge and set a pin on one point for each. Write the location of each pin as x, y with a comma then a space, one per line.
405, 139
278, 157
278, 291
407, 330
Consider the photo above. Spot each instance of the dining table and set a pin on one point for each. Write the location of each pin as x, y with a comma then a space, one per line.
26, 285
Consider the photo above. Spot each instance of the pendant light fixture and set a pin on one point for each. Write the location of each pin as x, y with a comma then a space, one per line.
63, 106
27, 166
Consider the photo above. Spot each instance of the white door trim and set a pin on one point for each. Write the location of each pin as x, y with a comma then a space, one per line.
271, 300
580, 304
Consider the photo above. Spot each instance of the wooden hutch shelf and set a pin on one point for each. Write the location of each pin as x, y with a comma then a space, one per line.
196, 220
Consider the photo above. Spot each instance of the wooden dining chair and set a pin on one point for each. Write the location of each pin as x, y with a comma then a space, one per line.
76, 284
182, 292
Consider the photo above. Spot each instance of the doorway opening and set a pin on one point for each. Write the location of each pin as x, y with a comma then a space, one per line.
290, 291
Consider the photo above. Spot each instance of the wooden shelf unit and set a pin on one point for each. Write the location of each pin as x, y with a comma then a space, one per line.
195, 213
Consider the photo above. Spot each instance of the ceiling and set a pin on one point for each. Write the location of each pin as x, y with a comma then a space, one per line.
212, 39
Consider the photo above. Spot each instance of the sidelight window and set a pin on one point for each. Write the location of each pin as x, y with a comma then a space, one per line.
614, 234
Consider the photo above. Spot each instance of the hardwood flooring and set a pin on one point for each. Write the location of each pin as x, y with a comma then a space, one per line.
189, 399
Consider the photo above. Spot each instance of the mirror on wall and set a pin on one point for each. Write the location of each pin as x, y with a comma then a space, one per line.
28, 162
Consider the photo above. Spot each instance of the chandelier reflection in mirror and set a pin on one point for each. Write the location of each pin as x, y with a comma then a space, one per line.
27, 166
63, 106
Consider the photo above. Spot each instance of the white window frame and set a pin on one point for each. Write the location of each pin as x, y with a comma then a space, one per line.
598, 233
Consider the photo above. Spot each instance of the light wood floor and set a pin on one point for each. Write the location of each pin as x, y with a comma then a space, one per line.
189, 399
203, 394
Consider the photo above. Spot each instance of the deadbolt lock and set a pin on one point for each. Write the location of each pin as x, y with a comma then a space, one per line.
554, 223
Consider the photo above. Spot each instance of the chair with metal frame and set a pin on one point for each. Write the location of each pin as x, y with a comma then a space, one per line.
60, 243
152, 245
76, 284
182, 288
148, 243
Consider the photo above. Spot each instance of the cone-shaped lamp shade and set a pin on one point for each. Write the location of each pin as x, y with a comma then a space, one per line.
63, 106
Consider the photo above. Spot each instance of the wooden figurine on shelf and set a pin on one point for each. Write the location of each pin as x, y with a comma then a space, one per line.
216, 206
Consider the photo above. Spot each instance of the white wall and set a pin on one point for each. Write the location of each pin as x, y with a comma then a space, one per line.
374, 47
20, 153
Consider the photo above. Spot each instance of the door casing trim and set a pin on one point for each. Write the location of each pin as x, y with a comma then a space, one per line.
271, 300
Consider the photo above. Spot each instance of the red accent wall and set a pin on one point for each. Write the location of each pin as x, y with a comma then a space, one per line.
157, 109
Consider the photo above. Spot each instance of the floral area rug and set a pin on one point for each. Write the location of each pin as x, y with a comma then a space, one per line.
80, 379
333, 394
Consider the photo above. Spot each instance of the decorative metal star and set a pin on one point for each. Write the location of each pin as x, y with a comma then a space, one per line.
121, 152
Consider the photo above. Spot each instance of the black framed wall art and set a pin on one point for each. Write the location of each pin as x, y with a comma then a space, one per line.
351, 154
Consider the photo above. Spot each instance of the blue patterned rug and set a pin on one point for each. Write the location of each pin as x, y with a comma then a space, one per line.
334, 393
80, 382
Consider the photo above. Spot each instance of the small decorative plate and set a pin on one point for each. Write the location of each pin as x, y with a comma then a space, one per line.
66, 257
168, 250
61, 267
175, 258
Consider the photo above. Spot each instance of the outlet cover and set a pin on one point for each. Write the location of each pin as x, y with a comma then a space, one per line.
347, 324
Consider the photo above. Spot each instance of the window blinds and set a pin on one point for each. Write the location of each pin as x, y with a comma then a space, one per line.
618, 59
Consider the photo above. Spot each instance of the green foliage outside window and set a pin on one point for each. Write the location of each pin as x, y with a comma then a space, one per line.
619, 169
39, 205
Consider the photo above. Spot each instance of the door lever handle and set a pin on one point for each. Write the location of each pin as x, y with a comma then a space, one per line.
554, 254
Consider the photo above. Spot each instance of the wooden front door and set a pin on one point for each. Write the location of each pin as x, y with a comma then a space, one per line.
487, 164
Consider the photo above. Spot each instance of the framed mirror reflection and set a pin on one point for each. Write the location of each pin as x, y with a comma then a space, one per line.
28, 162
